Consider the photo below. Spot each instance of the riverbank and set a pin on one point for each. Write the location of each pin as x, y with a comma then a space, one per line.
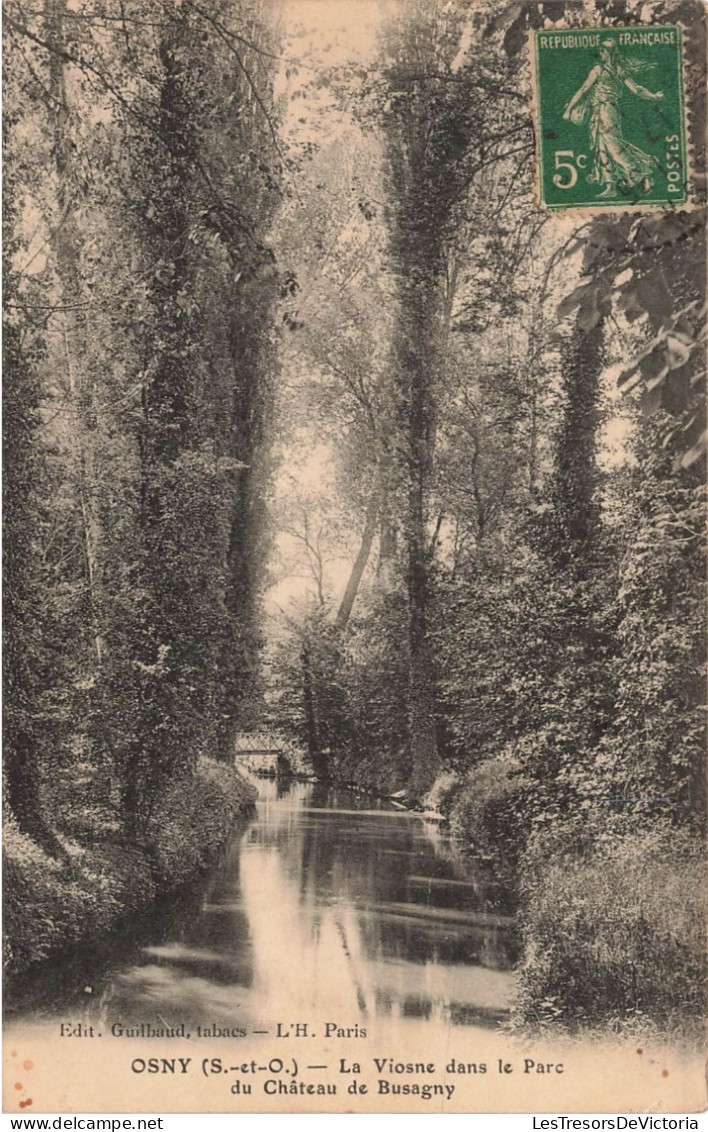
50, 904
613, 929
611, 919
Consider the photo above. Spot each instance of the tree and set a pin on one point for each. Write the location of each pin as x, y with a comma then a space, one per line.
155, 290
337, 301
426, 130
26, 646
434, 111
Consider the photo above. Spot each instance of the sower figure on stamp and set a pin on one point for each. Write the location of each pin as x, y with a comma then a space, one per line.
618, 164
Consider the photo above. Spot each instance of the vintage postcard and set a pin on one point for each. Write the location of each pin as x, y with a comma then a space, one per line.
354, 557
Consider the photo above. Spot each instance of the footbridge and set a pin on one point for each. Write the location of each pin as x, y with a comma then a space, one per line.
266, 753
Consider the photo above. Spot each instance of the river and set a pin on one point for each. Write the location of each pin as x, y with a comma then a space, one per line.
336, 941
327, 905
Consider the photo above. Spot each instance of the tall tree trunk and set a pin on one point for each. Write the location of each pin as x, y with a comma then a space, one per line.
371, 522
417, 252
67, 251
575, 474
24, 633
428, 137
421, 675
169, 430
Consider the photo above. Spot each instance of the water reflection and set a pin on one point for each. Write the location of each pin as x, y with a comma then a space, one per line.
327, 907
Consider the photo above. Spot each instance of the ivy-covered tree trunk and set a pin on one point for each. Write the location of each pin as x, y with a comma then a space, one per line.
251, 365
22, 620
655, 748
168, 433
419, 302
24, 634
417, 219
575, 696
574, 487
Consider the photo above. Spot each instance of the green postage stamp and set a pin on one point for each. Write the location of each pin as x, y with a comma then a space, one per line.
611, 128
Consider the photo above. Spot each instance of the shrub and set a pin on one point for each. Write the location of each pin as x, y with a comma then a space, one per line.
614, 935
485, 813
194, 821
372, 773
49, 904
442, 793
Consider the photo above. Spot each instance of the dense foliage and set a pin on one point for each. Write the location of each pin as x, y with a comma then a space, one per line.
139, 303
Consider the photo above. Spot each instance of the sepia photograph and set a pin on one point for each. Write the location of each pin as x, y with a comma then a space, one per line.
354, 557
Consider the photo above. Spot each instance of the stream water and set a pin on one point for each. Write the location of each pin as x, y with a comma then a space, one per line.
326, 905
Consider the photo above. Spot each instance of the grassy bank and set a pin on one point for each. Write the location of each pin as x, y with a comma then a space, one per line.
614, 936
49, 904
612, 913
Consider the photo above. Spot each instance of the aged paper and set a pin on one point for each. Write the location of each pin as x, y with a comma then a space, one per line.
346, 951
